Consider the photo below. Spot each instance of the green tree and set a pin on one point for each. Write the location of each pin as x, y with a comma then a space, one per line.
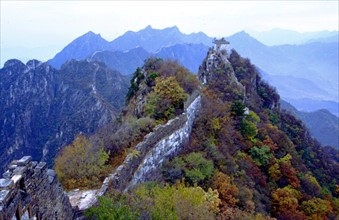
134, 86
80, 165
197, 168
194, 167
238, 108
261, 155
108, 208
248, 129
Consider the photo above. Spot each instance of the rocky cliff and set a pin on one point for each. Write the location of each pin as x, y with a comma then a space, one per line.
42, 108
28, 190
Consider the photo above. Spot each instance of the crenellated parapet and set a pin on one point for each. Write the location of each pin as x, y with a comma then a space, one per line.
28, 190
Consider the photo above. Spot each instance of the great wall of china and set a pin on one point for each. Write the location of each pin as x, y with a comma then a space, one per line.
28, 190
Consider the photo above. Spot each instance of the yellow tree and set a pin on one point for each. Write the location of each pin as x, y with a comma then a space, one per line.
166, 98
79, 164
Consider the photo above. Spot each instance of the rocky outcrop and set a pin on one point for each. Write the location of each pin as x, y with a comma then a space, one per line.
28, 190
216, 71
42, 108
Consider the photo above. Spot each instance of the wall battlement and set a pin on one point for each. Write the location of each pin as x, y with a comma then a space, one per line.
28, 190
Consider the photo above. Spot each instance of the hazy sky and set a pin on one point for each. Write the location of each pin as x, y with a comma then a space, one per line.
51, 25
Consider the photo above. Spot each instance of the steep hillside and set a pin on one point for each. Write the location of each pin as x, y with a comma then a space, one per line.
323, 125
188, 55
125, 62
159, 92
44, 108
295, 64
246, 159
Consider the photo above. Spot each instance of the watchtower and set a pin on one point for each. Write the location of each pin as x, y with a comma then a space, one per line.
220, 43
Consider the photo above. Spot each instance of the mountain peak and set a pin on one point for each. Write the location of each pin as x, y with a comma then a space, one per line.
13, 62
80, 48
32, 64
90, 34
242, 33
173, 28
243, 37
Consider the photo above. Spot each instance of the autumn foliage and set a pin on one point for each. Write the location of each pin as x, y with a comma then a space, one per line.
246, 159
80, 164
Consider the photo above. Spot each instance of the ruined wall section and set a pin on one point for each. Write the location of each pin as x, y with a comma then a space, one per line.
28, 190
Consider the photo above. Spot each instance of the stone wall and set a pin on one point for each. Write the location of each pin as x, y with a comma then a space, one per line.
156, 147
31, 191
28, 190
168, 146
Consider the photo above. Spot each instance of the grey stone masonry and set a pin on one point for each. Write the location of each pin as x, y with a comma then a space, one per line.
28, 190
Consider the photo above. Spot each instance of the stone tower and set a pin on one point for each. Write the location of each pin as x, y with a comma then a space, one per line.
220, 44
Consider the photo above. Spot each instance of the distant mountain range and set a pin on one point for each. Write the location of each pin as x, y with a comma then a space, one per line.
299, 72
308, 72
152, 40
304, 75
42, 108
278, 36
126, 62
323, 125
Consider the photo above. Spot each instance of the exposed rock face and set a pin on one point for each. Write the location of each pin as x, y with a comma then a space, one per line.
42, 108
28, 190
217, 71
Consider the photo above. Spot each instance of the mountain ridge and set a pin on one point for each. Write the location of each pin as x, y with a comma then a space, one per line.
44, 108
322, 124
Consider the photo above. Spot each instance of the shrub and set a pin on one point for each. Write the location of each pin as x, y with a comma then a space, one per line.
80, 165
194, 167
166, 99
261, 155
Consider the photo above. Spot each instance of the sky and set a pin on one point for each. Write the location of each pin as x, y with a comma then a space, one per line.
40, 29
